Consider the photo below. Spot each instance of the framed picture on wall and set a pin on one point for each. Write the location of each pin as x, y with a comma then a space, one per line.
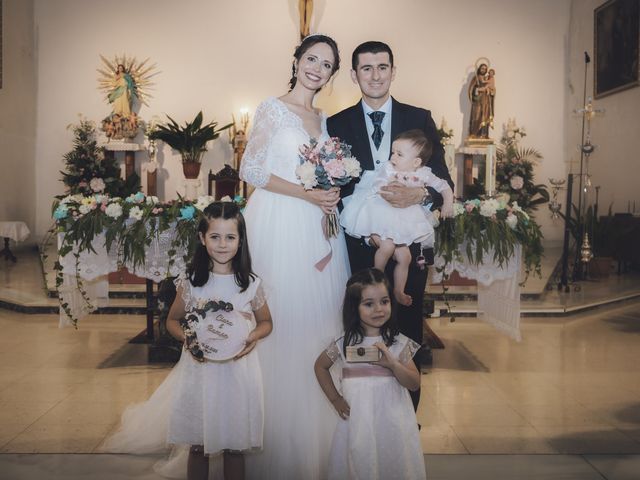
616, 46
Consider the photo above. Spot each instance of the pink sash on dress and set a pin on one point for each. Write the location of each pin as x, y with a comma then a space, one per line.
366, 371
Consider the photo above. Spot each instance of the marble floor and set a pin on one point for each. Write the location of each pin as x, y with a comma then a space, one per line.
561, 404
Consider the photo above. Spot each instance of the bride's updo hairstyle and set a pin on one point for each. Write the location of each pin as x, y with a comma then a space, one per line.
308, 42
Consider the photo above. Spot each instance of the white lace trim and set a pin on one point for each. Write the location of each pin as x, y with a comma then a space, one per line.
259, 299
183, 282
408, 351
485, 273
333, 352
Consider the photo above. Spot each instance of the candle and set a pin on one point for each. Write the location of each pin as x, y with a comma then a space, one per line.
490, 170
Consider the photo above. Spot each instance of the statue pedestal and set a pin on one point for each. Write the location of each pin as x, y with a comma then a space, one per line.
129, 149
471, 152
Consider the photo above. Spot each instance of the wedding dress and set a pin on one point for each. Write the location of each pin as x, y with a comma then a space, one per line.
286, 241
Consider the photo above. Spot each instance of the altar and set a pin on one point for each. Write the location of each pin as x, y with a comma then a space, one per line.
83, 284
498, 288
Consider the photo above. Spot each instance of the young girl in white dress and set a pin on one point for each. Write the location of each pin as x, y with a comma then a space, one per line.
377, 438
211, 406
392, 230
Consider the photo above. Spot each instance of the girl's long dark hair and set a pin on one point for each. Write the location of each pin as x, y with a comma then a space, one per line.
353, 331
200, 266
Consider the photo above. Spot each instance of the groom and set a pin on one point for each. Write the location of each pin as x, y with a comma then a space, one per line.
370, 127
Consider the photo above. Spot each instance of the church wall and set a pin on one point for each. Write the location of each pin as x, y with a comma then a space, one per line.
221, 56
615, 163
17, 114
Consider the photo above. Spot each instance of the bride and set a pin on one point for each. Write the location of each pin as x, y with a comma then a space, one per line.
284, 226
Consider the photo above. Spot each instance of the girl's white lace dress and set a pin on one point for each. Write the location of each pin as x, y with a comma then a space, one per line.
286, 241
379, 440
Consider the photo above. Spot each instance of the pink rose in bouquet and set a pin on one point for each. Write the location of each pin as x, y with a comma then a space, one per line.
327, 165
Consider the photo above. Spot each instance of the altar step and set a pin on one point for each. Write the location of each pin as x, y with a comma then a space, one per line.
28, 286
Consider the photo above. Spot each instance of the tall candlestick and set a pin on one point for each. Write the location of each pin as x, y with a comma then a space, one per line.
490, 170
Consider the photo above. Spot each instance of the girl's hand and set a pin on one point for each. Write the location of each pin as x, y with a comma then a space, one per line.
342, 407
387, 360
325, 199
250, 343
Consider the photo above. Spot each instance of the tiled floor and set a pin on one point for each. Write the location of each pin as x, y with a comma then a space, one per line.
562, 404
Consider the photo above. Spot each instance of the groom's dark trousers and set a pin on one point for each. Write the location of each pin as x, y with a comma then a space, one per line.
349, 125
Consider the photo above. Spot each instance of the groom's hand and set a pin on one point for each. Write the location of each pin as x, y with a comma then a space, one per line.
401, 196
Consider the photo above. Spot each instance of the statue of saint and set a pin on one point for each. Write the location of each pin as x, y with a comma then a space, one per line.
482, 91
123, 92
125, 83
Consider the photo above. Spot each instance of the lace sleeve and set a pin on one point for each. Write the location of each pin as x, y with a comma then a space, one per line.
252, 167
183, 282
408, 351
333, 352
259, 299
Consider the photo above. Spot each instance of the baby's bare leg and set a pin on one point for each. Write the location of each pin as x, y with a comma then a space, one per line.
402, 256
384, 251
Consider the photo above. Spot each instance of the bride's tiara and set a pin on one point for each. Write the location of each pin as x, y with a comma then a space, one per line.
315, 35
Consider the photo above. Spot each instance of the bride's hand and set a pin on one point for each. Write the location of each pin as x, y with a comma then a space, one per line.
325, 199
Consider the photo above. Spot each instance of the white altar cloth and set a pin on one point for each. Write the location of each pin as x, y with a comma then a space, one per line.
498, 289
93, 268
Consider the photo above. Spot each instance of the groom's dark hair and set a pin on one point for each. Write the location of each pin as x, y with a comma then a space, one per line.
370, 47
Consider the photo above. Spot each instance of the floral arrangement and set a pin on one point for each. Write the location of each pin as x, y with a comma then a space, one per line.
514, 169
327, 165
88, 170
128, 224
495, 226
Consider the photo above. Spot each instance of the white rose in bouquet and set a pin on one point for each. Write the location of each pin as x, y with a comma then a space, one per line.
306, 172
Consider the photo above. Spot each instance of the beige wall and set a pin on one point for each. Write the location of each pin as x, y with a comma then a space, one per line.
615, 165
221, 56
17, 114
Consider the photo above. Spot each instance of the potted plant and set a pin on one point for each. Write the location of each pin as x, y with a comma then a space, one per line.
190, 140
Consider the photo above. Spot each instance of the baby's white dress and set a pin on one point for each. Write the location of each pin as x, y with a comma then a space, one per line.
367, 213
215, 404
380, 439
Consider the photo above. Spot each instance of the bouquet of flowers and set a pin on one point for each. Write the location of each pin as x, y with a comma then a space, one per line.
325, 166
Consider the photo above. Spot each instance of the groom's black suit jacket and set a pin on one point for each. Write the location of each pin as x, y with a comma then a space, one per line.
349, 125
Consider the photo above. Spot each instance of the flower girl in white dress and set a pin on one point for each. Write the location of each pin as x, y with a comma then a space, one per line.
377, 438
210, 406
392, 230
